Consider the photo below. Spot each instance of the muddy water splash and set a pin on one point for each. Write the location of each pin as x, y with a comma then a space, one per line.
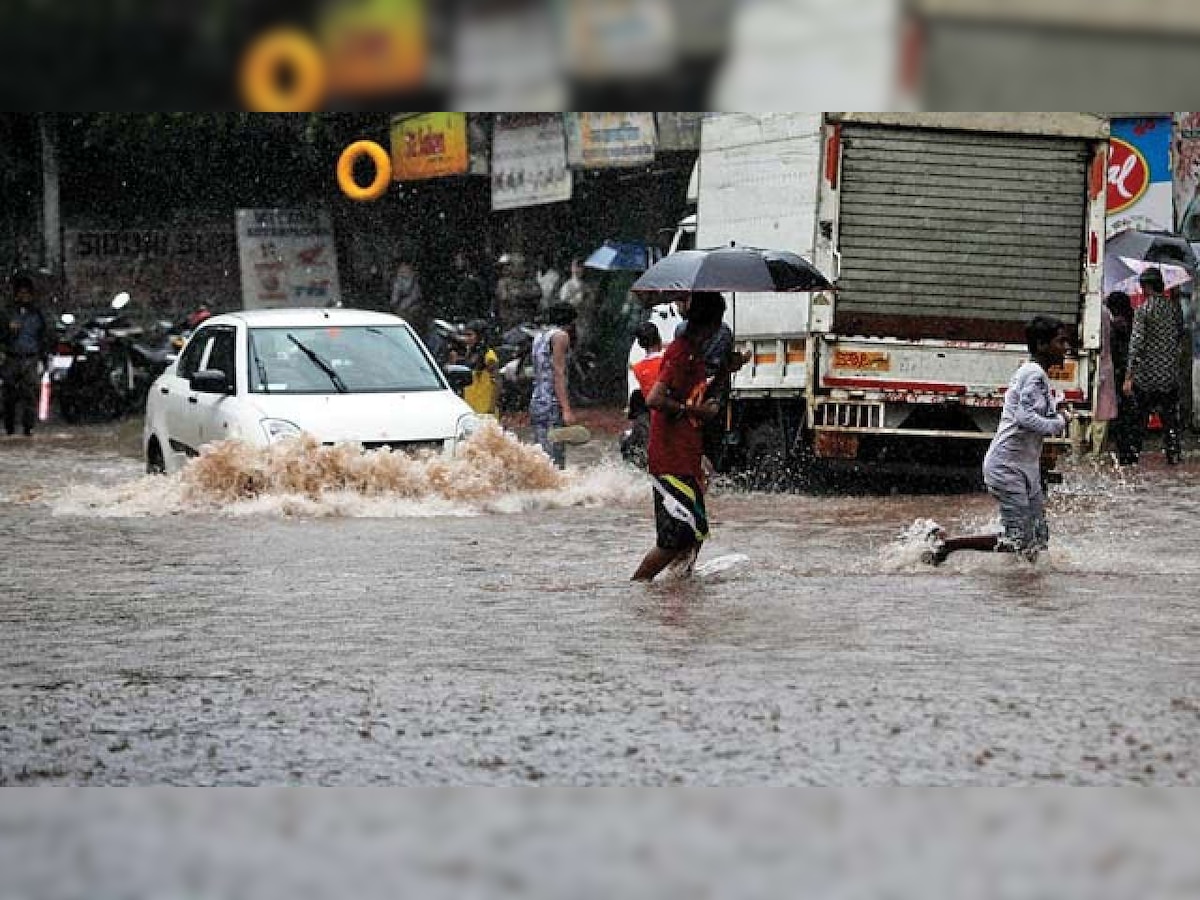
493, 473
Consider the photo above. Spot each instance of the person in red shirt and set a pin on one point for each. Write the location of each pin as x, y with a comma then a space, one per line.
678, 410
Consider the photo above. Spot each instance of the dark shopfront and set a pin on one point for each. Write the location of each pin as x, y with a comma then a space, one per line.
431, 220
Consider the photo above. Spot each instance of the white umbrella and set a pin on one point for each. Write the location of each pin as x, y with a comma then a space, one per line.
1173, 276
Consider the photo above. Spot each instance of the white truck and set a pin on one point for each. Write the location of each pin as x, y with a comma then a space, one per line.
944, 233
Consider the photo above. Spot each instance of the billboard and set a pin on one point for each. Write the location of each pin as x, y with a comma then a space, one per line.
287, 258
430, 145
1187, 173
172, 270
1139, 175
597, 140
529, 161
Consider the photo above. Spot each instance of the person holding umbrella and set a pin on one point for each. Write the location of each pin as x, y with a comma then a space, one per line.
1152, 370
678, 410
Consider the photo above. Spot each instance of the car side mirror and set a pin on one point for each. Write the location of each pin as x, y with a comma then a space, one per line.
210, 381
460, 377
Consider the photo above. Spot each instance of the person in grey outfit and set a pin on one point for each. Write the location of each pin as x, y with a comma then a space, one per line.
26, 346
550, 403
1012, 466
1152, 371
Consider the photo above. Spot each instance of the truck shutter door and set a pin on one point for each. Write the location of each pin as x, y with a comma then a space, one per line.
942, 229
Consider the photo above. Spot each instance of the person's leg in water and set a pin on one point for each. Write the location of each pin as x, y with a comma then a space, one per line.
661, 558
1098, 431
1170, 415
1025, 532
541, 434
681, 523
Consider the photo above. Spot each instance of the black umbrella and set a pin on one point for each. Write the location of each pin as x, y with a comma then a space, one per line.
1152, 246
730, 269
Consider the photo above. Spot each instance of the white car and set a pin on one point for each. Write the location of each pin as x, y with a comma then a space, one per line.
341, 375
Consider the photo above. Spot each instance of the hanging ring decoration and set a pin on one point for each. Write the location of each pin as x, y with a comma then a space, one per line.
284, 49
383, 171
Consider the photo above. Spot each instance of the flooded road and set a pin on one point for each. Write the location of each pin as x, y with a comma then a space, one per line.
449, 631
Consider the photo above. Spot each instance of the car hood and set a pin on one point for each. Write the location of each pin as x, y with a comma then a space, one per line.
367, 418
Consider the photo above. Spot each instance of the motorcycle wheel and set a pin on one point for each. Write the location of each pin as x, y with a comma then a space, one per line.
67, 409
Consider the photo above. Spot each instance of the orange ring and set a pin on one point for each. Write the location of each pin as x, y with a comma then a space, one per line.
261, 89
383, 171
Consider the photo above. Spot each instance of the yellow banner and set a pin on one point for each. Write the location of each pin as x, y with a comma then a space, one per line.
431, 145
375, 47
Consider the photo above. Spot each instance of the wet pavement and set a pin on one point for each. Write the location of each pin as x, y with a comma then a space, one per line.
157, 633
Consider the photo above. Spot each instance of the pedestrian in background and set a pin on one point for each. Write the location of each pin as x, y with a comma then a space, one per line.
407, 301
518, 295
1106, 407
549, 279
1152, 372
1012, 466
678, 411
484, 391
27, 342
1120, 309
468, 296
576, 292
550, 403
572, 290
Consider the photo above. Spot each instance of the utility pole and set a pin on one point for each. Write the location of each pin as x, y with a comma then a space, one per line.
52, 255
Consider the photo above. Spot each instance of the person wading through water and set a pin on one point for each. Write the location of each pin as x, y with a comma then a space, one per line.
1012, 467
678, 411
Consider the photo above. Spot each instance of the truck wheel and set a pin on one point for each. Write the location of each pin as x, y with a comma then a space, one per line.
155, 464
771, 466
66, 409
766, 458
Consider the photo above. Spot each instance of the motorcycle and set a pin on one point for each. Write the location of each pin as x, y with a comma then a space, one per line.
103, 368
516, 367
87, 372
446, 344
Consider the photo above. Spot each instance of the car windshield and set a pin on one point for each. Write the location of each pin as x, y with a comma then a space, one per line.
339, 359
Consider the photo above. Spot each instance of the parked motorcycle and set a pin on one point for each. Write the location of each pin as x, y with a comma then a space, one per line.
88, 372
103, 368
516, 367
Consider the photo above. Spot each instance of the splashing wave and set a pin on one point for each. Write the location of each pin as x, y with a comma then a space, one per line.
494, 473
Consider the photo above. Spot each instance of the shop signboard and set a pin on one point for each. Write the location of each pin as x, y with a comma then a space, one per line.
430, 145
167, 270
529, 161
1187, 174
599, 140
288, 258
679, 130
1139, 175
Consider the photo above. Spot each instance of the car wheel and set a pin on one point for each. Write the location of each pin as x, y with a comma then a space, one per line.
155, 463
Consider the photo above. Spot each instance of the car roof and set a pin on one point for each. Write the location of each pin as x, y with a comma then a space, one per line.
304, 318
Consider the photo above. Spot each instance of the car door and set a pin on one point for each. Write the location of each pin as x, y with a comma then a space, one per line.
181, 402
214, 411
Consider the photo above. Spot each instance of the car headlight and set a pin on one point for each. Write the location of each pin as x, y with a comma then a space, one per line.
467, 425
279, 429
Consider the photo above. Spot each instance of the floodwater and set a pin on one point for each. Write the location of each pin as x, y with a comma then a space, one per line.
317, 617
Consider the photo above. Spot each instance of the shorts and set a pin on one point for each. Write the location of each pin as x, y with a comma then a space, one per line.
1024, 520
679, 514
